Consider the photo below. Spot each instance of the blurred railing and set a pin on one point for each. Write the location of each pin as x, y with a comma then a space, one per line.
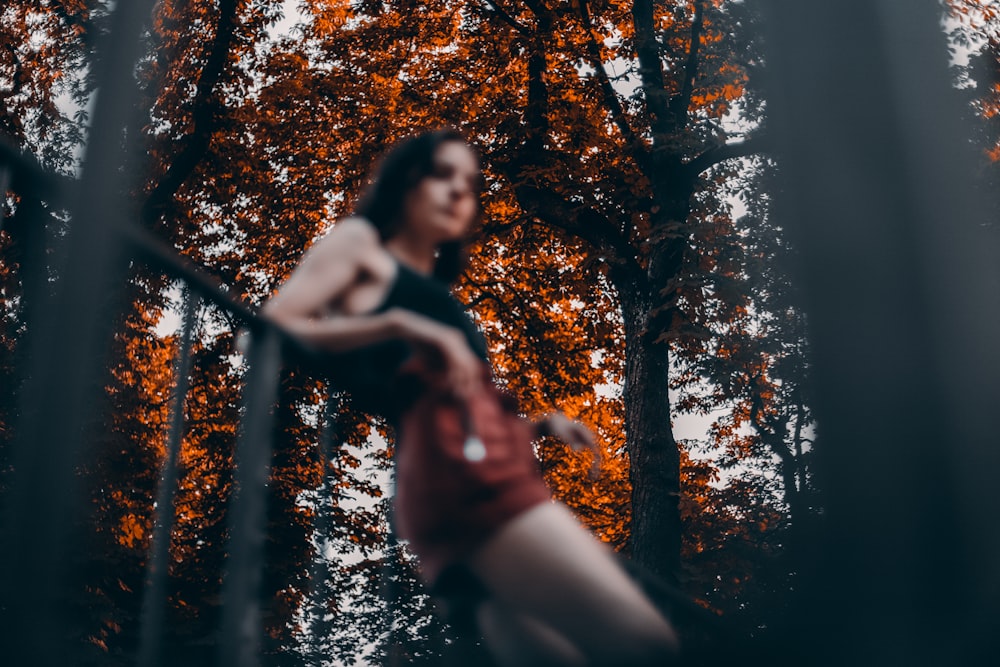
69, 322
55, 406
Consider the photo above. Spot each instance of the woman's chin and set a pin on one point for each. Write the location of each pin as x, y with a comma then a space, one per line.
451, 230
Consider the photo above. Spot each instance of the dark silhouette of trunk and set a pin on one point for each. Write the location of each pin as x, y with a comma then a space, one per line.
654, 470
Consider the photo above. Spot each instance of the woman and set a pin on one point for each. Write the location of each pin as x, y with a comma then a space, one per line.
470, 500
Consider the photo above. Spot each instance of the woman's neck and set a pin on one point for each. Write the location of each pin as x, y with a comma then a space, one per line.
420, 257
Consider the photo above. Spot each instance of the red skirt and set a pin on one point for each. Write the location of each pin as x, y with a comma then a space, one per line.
452, 495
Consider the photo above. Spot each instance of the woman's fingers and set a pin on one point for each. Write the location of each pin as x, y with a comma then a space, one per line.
585, 438
583, 434
463, 367
577, 436
463, 382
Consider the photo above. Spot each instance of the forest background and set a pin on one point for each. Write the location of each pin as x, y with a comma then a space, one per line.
628, 271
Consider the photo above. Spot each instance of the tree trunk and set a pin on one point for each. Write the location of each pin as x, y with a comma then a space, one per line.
654, 469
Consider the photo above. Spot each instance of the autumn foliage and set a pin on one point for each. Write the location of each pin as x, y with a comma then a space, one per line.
627, 272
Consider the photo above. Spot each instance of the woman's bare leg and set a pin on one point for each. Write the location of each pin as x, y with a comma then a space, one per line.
548, 568
518, 640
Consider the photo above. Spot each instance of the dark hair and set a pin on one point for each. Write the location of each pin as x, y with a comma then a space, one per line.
399, 171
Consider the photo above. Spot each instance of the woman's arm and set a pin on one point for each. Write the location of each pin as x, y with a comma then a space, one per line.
325, 275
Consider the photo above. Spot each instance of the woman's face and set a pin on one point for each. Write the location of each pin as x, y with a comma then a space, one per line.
442, 206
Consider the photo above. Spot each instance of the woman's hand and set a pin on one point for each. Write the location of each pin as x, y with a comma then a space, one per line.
463, 369
574, 434
444, 347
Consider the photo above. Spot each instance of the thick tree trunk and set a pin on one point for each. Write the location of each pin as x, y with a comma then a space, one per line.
654, 459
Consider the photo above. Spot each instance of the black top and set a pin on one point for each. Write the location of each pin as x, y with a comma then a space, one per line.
371, 374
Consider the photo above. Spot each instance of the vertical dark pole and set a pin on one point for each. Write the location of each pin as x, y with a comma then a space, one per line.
4, 187
903, 299
28, 229
391, 573
67, 358
241, 628
319, 571
155, 599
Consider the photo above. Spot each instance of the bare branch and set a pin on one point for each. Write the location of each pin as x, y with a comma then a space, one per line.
647, 51
717, 154
581, 222
611, 101
507, 18
681, 103
204, 115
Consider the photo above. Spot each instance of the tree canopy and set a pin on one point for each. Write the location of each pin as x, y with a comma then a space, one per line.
627, 271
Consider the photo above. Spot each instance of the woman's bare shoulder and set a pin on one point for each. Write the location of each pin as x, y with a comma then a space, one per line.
328, 268
350, 238
351, 233
357, 227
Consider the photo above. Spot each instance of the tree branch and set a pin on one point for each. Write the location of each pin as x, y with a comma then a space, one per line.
681, 103
204, 115
637, 147
581, 222
717, 154
28, 177
486, 294
536, 111
771, 430
539, 9
507, 18
18, 78
647, 51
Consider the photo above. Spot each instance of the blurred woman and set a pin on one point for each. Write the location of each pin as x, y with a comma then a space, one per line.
375, 294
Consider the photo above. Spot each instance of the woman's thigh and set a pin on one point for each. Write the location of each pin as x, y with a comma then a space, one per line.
546, 565
518, 640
